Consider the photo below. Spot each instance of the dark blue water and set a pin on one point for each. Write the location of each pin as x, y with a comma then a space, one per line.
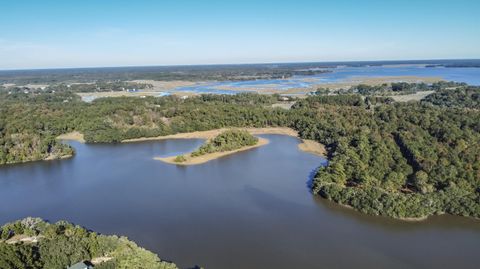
248, 210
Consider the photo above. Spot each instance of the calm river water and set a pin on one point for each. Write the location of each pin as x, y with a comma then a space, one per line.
249, 210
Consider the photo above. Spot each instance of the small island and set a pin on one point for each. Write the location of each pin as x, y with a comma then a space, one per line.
226, 143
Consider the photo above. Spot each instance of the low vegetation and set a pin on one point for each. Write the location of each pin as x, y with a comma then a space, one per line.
180, 159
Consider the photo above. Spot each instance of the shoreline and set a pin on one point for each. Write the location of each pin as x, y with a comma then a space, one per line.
63, 157
46, 159
308, 146
405, 219
212, 133
210, 156
313, 147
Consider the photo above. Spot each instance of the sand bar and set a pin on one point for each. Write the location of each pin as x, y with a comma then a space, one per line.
211, 156
312, 147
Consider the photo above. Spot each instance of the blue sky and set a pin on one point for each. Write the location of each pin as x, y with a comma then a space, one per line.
83, 33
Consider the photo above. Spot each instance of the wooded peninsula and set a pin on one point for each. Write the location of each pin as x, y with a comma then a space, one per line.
34, 243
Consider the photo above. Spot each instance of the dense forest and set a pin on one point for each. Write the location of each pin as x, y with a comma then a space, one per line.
403, 160
32, 243
399, 160
226, 141
26, 130
394, 88
465, 97
40, 118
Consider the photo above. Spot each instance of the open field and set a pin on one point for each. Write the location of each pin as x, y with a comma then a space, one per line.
411, 97
74, 136
164, 85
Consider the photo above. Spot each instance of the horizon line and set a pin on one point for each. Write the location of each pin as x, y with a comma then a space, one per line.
235, 64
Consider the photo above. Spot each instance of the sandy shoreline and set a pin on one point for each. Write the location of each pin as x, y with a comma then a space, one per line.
312, 147
212, 133
308, 146
211, 156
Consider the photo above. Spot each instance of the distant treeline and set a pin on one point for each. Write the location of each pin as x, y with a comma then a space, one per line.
98, 87
394, 88
78, 87
403, 160
162, 73
200, 72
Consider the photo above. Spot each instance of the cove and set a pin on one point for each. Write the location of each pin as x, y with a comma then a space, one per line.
252, 209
